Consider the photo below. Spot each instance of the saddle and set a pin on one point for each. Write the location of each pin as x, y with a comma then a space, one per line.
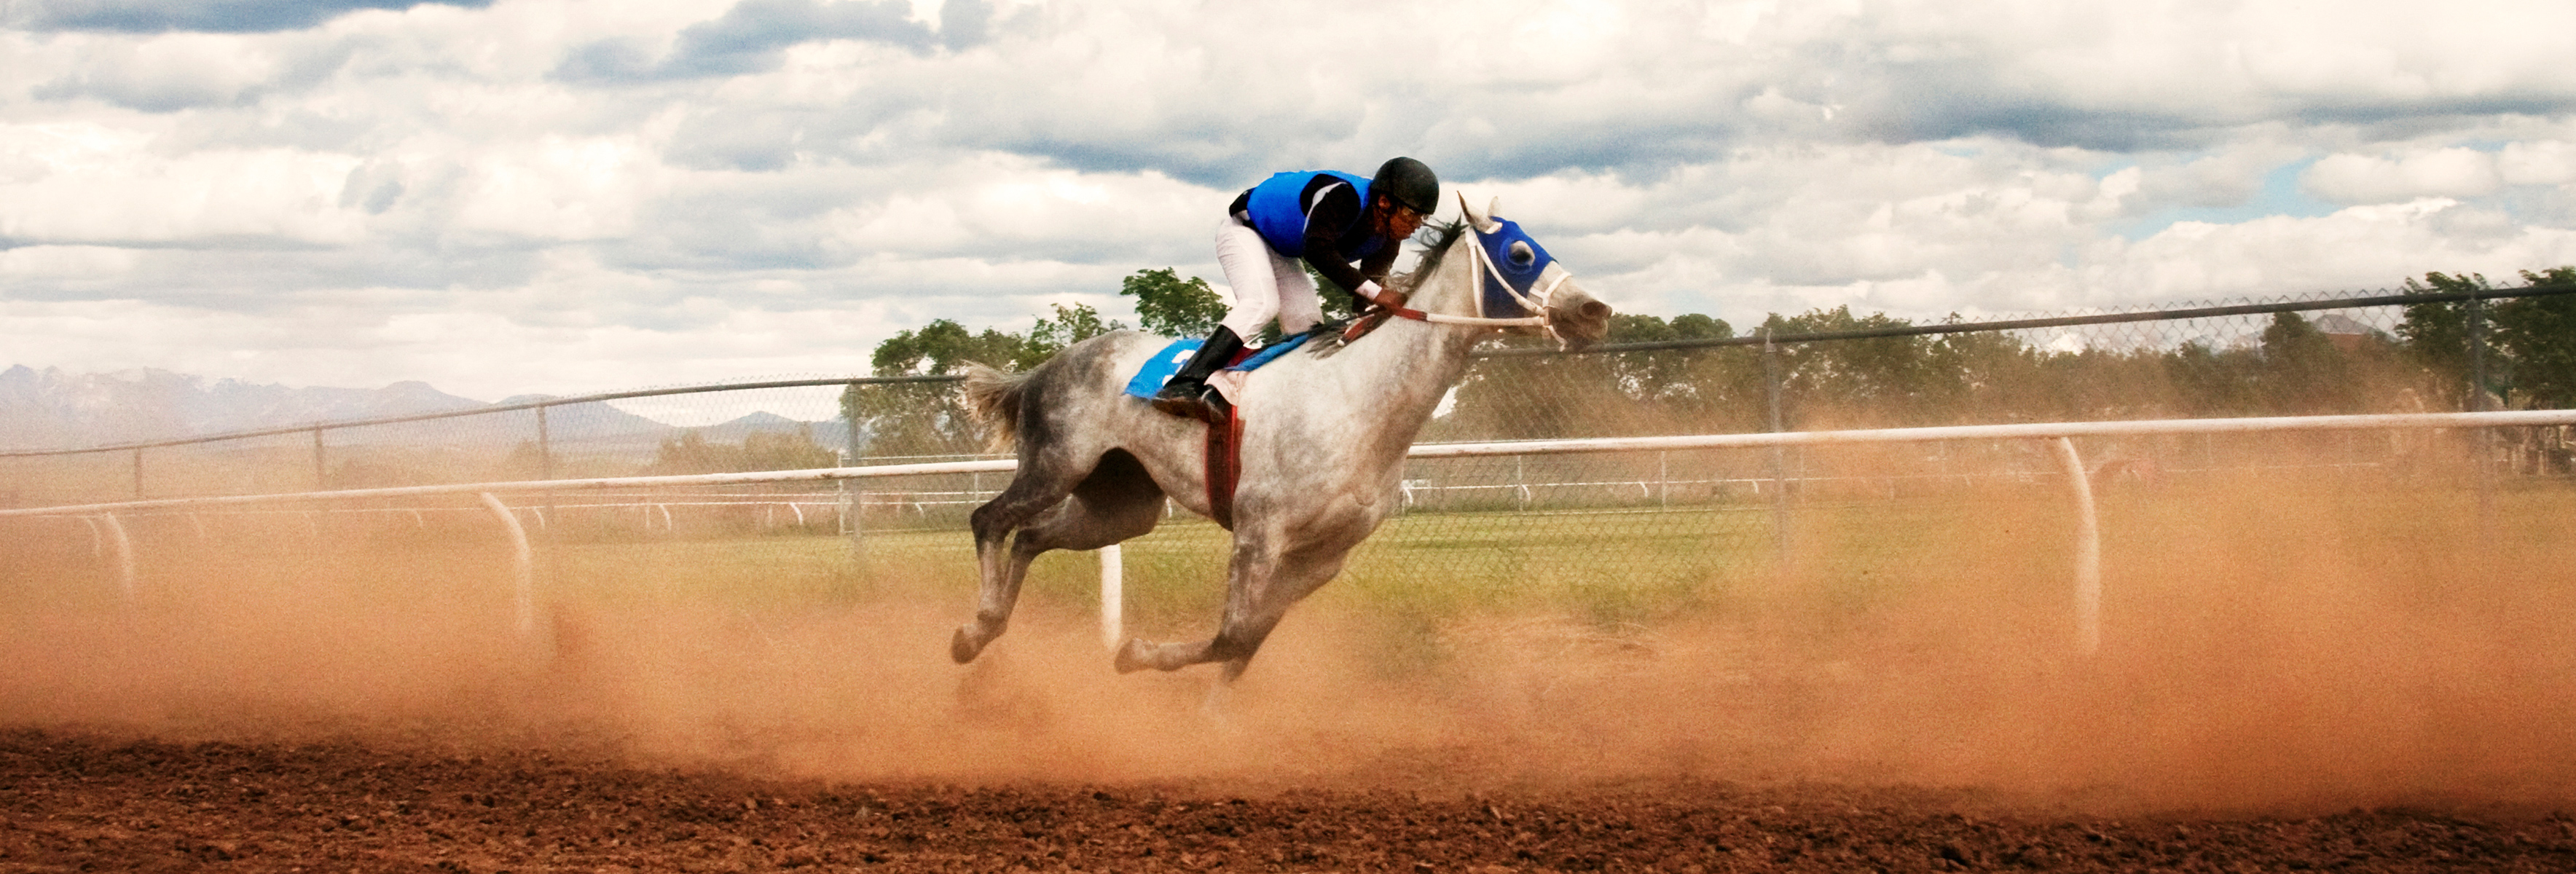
1225, 438
1160, 368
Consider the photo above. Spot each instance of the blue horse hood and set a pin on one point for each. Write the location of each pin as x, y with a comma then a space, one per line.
1521, 273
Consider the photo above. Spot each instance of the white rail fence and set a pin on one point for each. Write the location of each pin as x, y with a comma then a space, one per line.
2086, 576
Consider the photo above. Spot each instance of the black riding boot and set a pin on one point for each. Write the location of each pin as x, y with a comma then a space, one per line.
1187, 393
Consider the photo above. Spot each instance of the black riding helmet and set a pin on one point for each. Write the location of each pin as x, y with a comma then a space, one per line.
1409, 183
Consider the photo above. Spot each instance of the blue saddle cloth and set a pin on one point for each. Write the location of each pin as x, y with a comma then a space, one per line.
1160, 368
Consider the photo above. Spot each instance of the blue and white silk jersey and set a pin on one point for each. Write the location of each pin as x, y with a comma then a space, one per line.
1317, 215
1282, 206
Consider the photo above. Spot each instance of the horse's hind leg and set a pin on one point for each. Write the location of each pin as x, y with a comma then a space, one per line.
1037, 488
1116, 501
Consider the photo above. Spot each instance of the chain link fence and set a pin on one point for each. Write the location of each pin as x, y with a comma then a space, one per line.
1619, 537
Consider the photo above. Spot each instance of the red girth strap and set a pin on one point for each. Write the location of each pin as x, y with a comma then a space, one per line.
1224, 465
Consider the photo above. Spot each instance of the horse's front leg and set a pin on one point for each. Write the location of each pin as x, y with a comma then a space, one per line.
1262, 584
1250, 569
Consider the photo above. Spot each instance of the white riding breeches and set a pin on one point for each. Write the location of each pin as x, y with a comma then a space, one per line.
1266, 284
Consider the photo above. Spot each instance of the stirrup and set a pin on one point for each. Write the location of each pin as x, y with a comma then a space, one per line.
1204, 405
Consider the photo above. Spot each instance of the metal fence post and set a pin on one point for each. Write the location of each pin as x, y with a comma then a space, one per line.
523, 596
853, 498
138, 473
321, 474
1779, 454
545, 448
1663, 481
2485, 443
546, 517
2088, 550
123, 548
1113, 596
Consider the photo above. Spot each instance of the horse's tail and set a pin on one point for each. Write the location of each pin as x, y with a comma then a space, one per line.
993, 398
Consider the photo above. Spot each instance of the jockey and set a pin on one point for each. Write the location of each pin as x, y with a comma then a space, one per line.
1326, 219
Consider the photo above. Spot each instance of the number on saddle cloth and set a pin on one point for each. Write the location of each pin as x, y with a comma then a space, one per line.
1160, 368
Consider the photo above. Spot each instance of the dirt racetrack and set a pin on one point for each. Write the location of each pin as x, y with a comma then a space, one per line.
2315, 701
741, 743
88, 803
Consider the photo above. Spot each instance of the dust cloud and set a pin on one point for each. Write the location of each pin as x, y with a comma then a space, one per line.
2263, 648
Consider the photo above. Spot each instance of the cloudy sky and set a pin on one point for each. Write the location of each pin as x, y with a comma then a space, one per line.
510, 196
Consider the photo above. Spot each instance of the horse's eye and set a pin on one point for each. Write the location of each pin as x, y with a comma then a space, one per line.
1521, 254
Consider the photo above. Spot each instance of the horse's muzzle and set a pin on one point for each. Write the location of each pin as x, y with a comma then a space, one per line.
1578, 319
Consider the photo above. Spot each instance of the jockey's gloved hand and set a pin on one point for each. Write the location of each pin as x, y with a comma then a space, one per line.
1364, 298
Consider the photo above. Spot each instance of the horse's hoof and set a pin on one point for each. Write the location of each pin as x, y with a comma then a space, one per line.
1131, 657
964, 646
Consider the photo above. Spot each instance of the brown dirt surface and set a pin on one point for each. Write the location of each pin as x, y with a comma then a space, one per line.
75, 802
2339, 694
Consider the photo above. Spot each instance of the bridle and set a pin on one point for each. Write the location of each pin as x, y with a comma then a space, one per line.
1535, 302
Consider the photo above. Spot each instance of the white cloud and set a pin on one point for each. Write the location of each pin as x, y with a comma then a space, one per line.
2451, 172
1005, 207
92, 263
2224, 177
559, 189
85, 182
365, 193
166, 72
2360, 248
2548, 162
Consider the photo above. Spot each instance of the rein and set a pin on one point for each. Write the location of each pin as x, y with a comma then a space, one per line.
1394, 303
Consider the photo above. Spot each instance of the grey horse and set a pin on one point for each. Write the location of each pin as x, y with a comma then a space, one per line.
1325, 431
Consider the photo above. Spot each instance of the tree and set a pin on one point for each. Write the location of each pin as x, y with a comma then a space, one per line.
2437, 333
943, 346
1992, 376
691, 453
1070, 326
923, 418
1171, 306
760, 450
2214, 382
1568, 396
2531, 342
2538, 337
1881, 380
2303, 373
785, 450
1675, 378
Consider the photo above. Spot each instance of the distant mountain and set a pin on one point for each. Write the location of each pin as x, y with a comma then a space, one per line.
733, 431
50, 409
598, 427
592, 422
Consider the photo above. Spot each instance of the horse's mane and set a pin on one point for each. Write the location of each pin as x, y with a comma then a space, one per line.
1434, 249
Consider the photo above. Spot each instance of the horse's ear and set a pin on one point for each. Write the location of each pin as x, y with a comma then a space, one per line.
1484, 221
